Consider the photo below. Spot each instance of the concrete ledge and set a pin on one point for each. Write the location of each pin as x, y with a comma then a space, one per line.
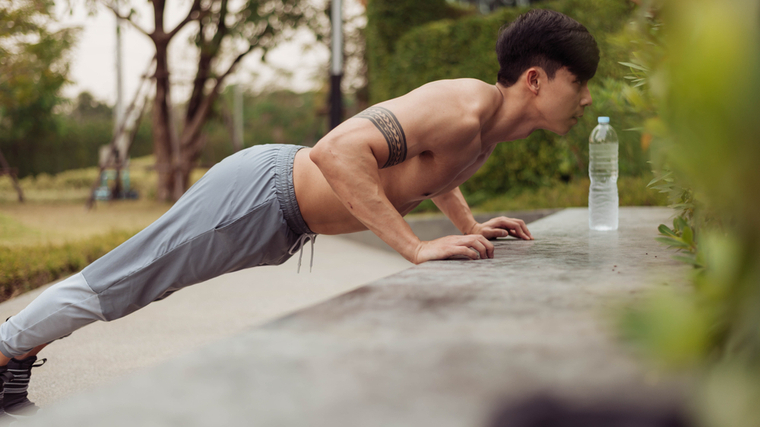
441, 344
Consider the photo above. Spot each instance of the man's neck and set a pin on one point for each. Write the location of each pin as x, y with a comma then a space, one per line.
515, 118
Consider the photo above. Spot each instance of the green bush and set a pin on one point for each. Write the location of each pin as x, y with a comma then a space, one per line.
386, 23
633, 192
25, 268
705, 132
71, 144
277, 117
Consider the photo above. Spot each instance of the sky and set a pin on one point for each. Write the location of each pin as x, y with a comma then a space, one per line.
93, 59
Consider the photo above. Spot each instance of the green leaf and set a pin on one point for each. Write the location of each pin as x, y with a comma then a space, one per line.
688, 235
659, 178
634, 66
666, 231
674, 242
682, 206
688, 259
679, 223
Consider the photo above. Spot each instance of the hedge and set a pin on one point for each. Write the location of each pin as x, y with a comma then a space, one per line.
25, 268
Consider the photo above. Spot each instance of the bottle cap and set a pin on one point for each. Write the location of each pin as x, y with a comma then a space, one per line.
603, 119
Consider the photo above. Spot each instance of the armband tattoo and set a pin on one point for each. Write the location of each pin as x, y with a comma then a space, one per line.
391, 129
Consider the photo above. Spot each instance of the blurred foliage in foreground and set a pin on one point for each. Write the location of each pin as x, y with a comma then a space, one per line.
700, 62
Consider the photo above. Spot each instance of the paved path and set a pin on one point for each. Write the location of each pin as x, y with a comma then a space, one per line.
440, 344
200, 315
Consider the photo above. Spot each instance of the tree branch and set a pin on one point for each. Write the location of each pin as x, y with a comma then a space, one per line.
127, 18
234, 63
194, 14
193, 127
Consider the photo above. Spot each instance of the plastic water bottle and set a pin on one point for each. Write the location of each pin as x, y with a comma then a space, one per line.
603, 171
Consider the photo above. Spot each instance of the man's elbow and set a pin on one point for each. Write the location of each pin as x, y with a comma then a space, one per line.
321, 151
331, 150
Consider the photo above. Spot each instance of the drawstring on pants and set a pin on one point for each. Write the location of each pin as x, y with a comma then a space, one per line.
298, 246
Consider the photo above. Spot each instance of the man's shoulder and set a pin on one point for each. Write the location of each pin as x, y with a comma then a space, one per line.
467, 85
472, 95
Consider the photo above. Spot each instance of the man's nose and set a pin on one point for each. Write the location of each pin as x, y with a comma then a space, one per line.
586, 100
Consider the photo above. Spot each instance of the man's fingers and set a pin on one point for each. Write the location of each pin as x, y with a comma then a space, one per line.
472, 246
479, 243
518, 232
525, 229
515, 226
488, 245
497, 232
464, 251
478, 246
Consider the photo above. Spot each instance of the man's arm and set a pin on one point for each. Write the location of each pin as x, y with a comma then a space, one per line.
455, 207
350, 158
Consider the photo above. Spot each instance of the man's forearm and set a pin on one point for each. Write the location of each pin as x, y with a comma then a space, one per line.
455, 207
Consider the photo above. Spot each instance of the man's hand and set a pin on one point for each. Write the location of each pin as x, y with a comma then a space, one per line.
472, 246
502, 227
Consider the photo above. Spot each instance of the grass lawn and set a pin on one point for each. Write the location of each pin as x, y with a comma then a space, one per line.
52, 235
41, 242
39, 223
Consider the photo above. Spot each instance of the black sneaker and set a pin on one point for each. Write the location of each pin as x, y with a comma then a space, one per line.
16, 401
5, 377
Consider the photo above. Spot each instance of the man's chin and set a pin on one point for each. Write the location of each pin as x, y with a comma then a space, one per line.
563, 132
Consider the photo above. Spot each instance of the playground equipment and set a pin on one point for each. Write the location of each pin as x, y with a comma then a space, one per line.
11, 172
114, 157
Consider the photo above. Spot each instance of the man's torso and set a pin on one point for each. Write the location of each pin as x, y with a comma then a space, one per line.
430, 173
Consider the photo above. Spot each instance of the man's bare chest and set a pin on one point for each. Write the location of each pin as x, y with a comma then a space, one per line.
430, 174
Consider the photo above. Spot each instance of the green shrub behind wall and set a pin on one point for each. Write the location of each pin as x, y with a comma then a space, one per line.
387, 22
447, 45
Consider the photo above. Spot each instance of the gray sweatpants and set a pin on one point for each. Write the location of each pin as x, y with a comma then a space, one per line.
242, 213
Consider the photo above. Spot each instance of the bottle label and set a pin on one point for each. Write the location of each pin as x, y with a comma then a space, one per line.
603, 161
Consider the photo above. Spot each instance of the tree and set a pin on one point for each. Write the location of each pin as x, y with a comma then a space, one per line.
33, 68
257, 26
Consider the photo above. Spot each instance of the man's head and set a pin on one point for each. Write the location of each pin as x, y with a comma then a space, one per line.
549, 40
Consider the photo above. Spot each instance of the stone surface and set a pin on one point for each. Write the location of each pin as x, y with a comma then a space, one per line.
441, 344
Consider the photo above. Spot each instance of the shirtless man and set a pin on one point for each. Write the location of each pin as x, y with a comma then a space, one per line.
262, 204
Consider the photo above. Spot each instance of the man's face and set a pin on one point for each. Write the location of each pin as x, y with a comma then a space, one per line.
562, 100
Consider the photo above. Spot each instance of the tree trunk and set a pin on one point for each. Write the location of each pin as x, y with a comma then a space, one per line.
162, 136
175, 154
162, 146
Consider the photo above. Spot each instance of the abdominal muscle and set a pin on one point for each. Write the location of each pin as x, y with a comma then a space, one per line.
321, 209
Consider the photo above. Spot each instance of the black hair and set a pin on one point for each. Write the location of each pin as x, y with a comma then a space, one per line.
547, 39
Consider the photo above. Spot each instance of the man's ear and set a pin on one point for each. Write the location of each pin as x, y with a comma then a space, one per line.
532, 79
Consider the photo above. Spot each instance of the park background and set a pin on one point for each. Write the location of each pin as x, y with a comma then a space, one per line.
685, 126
